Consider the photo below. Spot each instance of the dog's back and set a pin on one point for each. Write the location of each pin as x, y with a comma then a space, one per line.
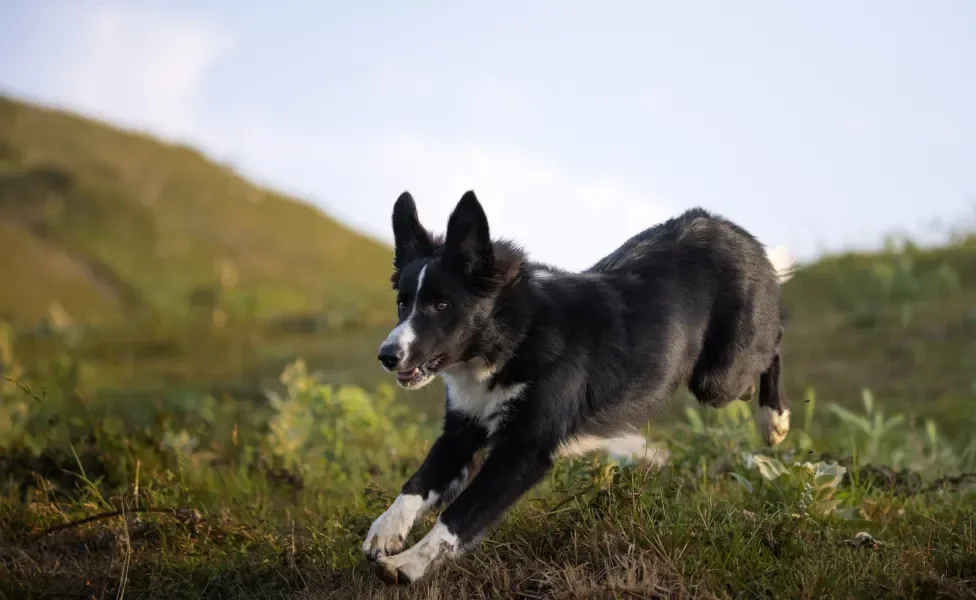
695, 242
703, 308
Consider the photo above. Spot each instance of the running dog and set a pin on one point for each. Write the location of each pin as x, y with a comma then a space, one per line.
540, 362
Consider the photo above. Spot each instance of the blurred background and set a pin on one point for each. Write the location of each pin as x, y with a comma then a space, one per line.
192, 197
195, 207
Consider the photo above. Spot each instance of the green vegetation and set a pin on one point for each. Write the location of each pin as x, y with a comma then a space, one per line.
135, 225
161, 438
221, 499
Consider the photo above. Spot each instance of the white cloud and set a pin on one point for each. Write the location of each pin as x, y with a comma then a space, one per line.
141, 68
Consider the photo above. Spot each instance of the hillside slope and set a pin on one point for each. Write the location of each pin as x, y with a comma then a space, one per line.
900, 322
107, 222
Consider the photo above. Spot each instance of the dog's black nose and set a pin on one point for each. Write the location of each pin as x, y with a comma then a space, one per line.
390, 355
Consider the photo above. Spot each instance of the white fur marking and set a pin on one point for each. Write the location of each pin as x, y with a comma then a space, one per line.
468, 393
636, 448
420, 282
390, 529
773, 426
540, 277
782, 261
404, 335
413, 563
630, 447
580, 445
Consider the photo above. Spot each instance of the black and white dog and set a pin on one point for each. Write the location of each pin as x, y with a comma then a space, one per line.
539, 362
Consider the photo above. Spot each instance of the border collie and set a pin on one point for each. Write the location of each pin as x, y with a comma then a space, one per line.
539, 362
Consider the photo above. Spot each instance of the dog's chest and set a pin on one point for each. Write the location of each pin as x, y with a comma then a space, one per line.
468, 393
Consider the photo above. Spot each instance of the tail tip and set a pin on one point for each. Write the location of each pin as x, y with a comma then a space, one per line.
773, 426
783, 262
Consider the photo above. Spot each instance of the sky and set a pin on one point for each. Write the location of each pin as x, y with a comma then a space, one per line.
816, 125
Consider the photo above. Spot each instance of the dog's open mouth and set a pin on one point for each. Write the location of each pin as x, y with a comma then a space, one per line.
417, 376
410, 375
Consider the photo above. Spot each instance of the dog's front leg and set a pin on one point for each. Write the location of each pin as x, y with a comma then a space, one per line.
441, 477
509, 471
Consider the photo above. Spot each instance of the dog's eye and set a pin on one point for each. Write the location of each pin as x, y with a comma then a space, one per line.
442, 306
401, 306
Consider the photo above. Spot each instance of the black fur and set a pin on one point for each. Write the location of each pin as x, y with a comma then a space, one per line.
692, 301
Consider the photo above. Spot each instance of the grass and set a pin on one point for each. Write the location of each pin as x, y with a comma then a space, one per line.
161, 438
221, 500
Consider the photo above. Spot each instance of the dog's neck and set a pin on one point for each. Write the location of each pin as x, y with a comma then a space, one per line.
504, 333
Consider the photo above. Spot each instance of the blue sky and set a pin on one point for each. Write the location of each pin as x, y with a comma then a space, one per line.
816, 125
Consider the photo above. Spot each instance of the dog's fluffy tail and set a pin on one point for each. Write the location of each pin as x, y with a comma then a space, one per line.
783, 261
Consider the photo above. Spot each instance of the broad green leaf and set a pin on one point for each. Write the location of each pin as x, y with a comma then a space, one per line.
827, 474
769, 468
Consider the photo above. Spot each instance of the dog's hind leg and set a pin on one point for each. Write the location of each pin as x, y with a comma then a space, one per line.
774, 413
717, 385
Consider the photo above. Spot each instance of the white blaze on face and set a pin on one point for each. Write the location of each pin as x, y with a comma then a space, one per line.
404, 335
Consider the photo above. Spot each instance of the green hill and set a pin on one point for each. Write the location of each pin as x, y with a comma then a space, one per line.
110, 224
900, 322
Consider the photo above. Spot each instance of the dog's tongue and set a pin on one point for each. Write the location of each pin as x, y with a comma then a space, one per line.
405, 375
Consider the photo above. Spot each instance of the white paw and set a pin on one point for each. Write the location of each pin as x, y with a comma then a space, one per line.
410, 565
773, 426
389, 531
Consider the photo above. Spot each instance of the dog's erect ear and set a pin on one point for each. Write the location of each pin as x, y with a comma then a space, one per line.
468, 242
411, 240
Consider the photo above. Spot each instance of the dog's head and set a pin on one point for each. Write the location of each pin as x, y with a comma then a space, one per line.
446, 290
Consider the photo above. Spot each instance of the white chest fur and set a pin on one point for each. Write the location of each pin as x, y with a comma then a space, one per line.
468, 393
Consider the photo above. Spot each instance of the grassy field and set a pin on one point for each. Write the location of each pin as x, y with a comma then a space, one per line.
175, 423
224, 499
